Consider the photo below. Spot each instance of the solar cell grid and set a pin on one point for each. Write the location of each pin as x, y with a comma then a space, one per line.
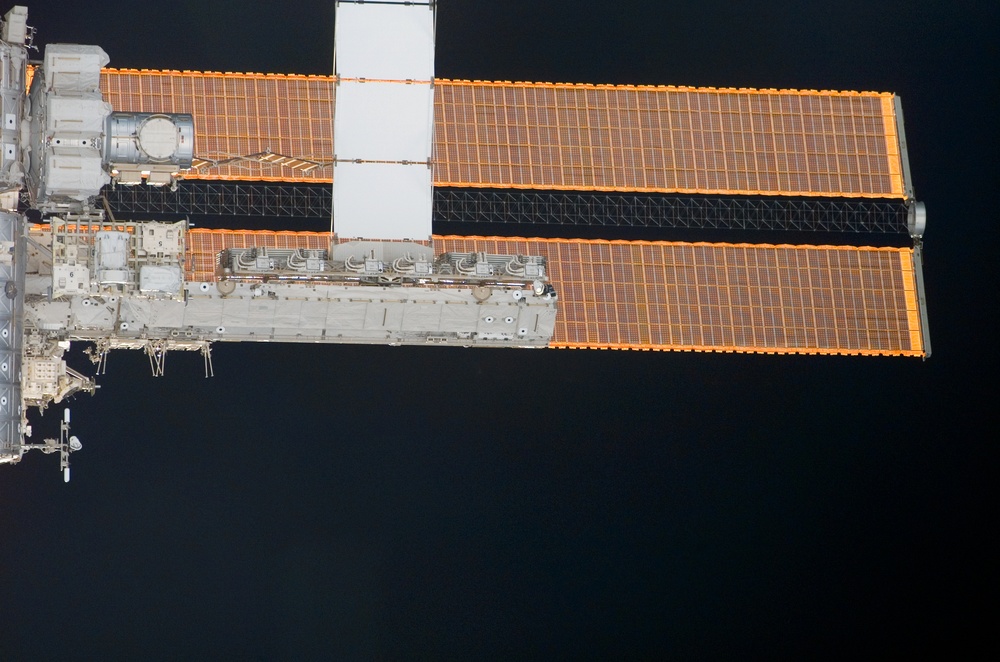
556, 136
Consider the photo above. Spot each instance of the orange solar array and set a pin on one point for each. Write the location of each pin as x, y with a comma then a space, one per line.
691, 296
554, 136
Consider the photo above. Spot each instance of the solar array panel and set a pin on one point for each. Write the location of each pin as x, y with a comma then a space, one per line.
666, 139
553, 136
659, 295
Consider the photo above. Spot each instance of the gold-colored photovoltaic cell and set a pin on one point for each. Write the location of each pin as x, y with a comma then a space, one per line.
691, 296
666, 139
554, 136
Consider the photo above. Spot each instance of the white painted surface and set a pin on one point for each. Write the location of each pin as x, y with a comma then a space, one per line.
382, 201
385, 41
74, 68
383, 121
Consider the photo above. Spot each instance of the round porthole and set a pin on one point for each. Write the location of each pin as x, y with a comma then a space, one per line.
123, 326
488, 319
508, 320
205, 287
522, 331
220, 329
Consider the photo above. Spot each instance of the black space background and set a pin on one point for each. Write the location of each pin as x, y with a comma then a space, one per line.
347, 502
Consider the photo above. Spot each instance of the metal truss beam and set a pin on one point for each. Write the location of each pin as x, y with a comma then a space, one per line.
669, 211
518, 207
223, 199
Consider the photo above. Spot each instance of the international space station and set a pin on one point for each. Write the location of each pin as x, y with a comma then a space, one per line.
388, 150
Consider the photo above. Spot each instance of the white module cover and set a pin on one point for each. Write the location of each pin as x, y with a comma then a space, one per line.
15, 25
73, 68
112, 249
161, 239
159, 138
160, 279
383, 121
384, 40
382, 201
77, 115
74, 172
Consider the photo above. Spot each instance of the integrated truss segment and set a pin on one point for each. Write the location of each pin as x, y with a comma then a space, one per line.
555, 136
690, 296
121, 286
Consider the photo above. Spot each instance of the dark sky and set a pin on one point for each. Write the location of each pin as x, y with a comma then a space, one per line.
338, 502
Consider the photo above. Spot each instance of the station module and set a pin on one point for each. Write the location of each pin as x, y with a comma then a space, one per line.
72, 140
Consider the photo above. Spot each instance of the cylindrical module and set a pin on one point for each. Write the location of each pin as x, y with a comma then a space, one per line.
149, 138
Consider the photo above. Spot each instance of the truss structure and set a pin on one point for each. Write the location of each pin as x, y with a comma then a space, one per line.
516, 207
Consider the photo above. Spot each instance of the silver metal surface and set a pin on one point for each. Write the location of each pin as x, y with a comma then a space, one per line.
149, 138
12, 266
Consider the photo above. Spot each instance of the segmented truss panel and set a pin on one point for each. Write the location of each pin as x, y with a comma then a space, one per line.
553, 136
691, 296
571, 208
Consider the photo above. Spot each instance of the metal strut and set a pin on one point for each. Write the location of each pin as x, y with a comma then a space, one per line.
98, 355
206, 353
156, 350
